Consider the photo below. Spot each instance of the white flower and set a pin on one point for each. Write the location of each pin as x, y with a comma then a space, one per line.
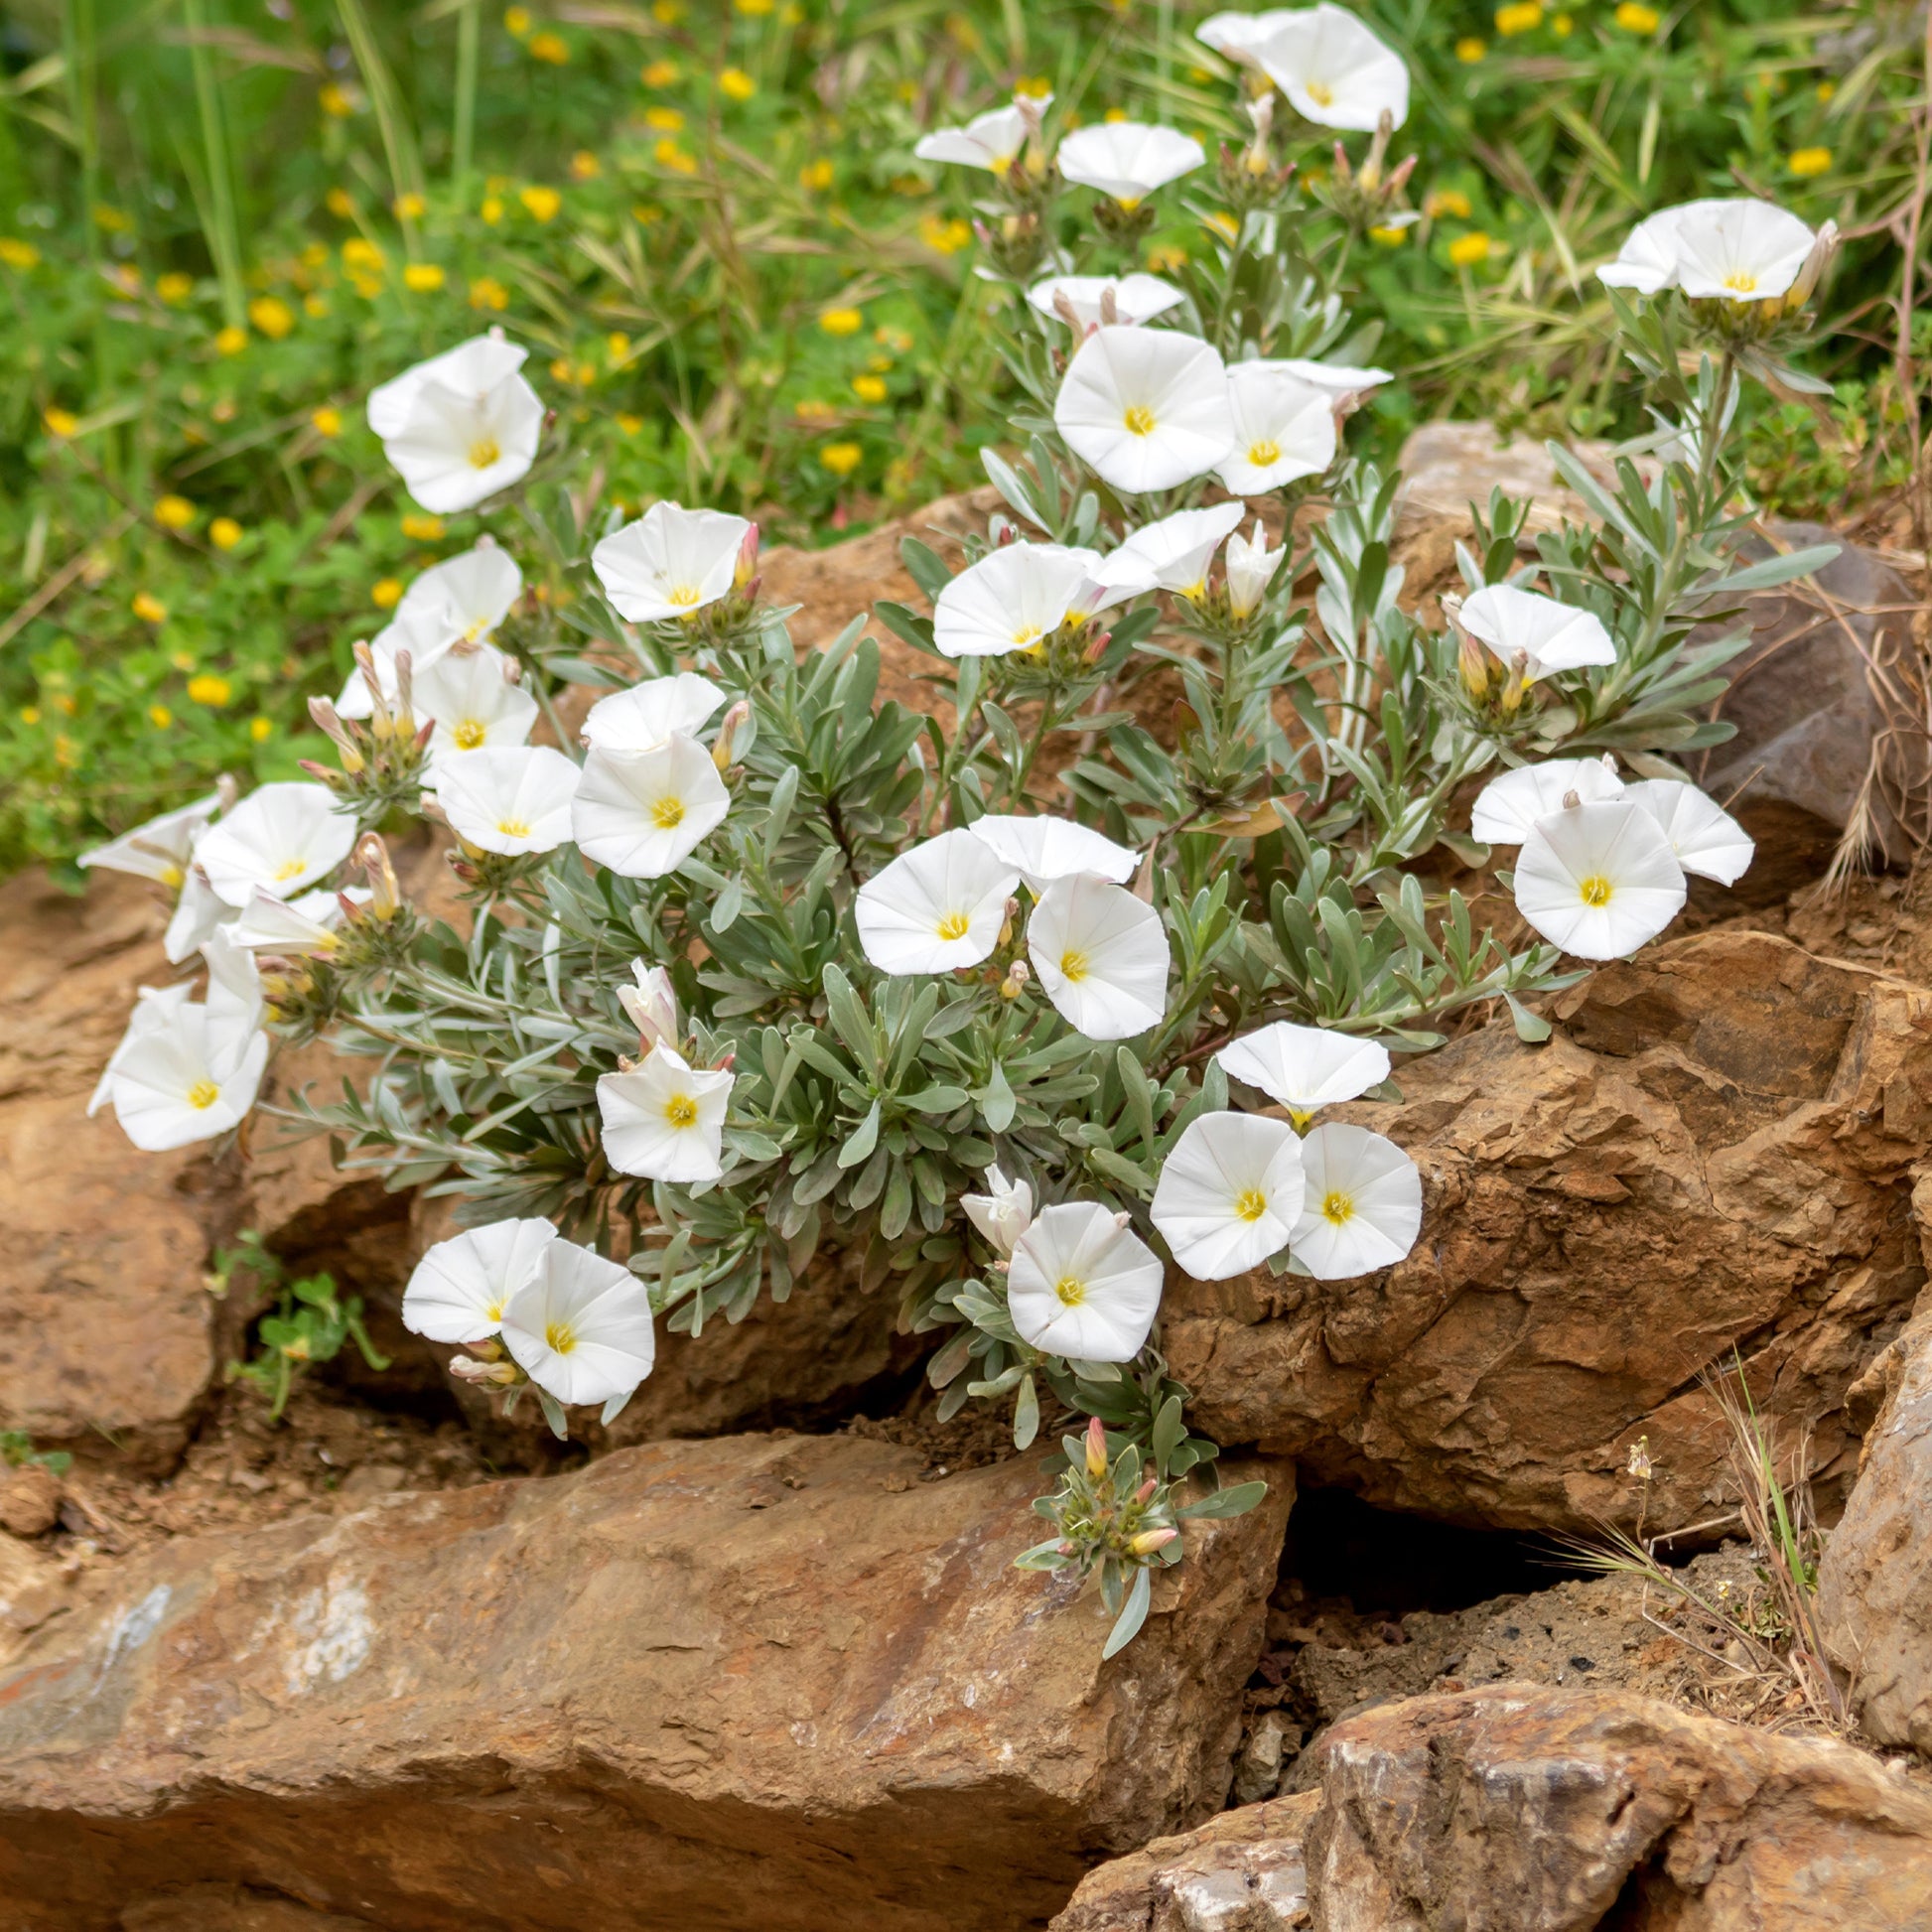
1177, 551
155, 1007
1705, 837
1127, 159
281, 837
1083, 1285
991, 141
1507, 807
651, 1005
236, 1003
199, 911
1306, 1068
451, 605
459, 427
1136, 298
1283, 429
1251, 567
1238, 35
665, 1120
510, 801
1736, 250
651, 713
1229, 1193
1600, 881
936, 907
1041, 850
182, 1076
1145, 408
1363, 1206
293, 927
161, 849
1535, 635
474, 704
1003, 1213
671, 563
1339, 378
641, 814
1101, 956
462, 1285
1013, 599
580, 1328
1334, 71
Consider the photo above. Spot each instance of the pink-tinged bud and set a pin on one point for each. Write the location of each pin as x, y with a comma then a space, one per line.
1400, 179
373, 856
498, 1375
721, 749
319, 772
1096, 1448
226, 790
1009, 533
1109, 308
1148, 1540
725, 1065
1097, 646
1145, 1493
746, 567
1064, 1548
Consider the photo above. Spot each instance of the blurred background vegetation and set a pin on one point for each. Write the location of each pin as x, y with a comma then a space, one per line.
222, 221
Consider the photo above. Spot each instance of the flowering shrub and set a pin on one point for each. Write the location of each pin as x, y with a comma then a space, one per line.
1036, 996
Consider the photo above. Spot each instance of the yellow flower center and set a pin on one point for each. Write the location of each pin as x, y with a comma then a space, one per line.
1071, 1291
1026, 635
1320, 94
513, 828
1252, 1206
1129, 203
668, 814
290, 869
202, 1095
172, 877
1140, 419
681, 1110
1596, 890
484, 452
468, 735
1074, 966
684, 596
1338, 1210
955, 925
561, 1336
1262, 454
494, 1311
1300, 1121
1741, 283
473, 633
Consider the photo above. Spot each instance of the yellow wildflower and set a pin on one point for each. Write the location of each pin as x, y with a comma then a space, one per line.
423, 277
943, 236
1469, 50
173, 287
386, 594
410, 208
491, 210
666, 120
667, 12
260, 729
327, 420
630, 425
811, 410
868, 388
1466, 250
335, 103
209, 690
1807, 162
518, 22
816, 175
231, 341
61, 422
1389, 237
736, 84
18, 254
1521, 17
420, 527
669, 155
485, 292
659, 73
174, 513
1562, 27
842, 322
1635, 17
225, 533
754, 9
552, 48
585, 165
542, 203
339, 202
160, 715
358, 252
617, 345
1827, 89
841, 457
149, 607
1447, 201
272, 315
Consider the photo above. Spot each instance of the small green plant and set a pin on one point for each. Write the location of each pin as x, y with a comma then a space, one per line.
310, 1324
17, 1451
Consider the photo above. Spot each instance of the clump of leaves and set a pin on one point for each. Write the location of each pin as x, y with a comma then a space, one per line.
311, 1323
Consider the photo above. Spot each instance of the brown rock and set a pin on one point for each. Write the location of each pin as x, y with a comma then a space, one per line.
1551, 1811
1713, 1155
1239, 1873
1448, 466
1874, 1587
232, 1908
745, 1683
30, 1500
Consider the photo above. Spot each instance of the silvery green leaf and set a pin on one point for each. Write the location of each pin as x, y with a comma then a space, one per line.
1127, 1626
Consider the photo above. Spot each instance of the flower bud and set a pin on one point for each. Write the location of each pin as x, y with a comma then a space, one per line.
721, 749
1015, 983
1148, 1540
1096, 1448
373, 856
746, 566
1823, 249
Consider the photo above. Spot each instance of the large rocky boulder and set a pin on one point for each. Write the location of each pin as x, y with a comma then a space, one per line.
770, 1682
1711, 1155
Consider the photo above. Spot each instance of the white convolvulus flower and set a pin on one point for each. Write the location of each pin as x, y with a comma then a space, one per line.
1305, 1068
1145, 408
473, 703
1177, 551
451, 608
1101, 955
234, 999
462, 1285
1706, 838
580, 1328
1044, 849
462, 426
671, 563
651, 1005
1283, 429
511, 801
1508, 807
1251, 568
1363, 1206
1238, 36
1334, 71
281, 837
1735, 250
1535, 634
1014, 597
1127, 159
1003, 1213
1339, 378
991, 141
184, 1078
155, 1007
936, 907
641, 814
665, 1120
1229, 1194
199, 911
1136, 298
1600, 881
293, 927
161, 849
1082, 1283
652, 713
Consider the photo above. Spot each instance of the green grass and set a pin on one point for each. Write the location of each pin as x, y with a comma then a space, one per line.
220, 223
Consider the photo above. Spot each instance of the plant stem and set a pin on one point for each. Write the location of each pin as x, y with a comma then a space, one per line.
468, 32
223, 235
